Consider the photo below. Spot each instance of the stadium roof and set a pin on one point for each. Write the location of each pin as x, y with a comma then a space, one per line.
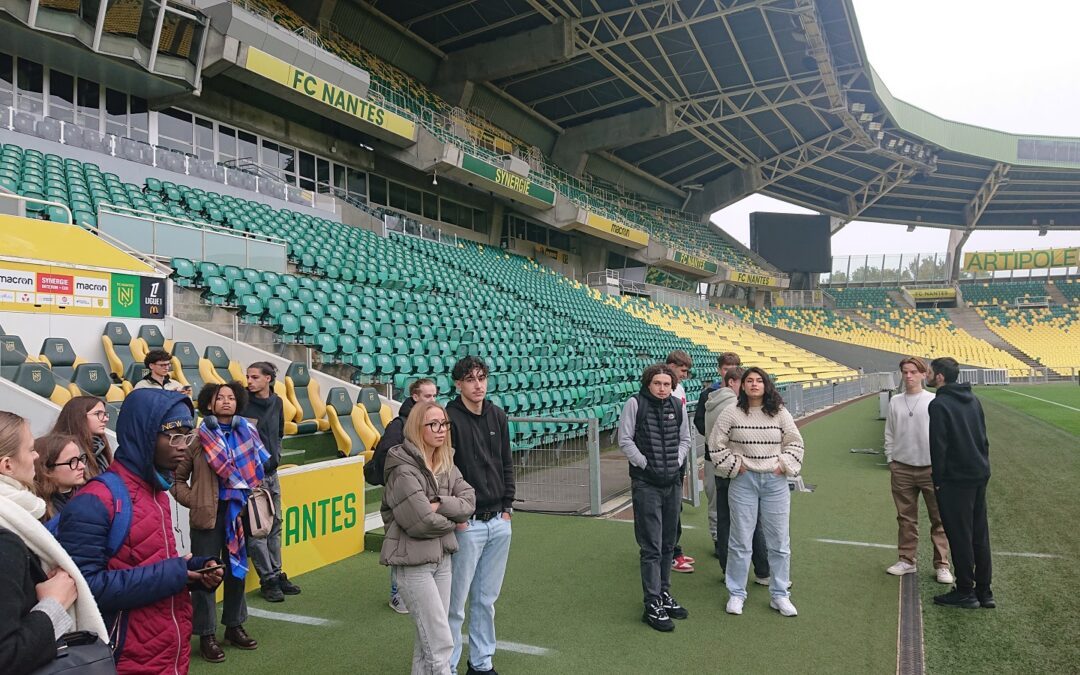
726, 98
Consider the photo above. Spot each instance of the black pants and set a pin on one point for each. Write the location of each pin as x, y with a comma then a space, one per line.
759, 556
656, 517
203, 602
963, 513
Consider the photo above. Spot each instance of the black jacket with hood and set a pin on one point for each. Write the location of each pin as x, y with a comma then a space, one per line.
482, 453
270, 423
394, 434
959, 449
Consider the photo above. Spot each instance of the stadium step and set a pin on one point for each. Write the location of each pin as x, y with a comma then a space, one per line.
967, 319
1056, 296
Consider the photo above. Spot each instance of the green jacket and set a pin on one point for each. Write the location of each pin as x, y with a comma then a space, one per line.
416, 535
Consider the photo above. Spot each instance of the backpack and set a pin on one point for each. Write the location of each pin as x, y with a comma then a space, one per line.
121, 522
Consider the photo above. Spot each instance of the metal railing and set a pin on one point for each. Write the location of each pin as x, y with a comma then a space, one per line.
802, 400
557, 464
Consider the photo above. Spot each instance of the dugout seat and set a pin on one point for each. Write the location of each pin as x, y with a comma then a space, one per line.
135, 372
92, 379
288, 410
305, 397
378, 413
187, 366
118, 348
39, 379
150, 337
352, 430
217, 367
58, 355
12, 355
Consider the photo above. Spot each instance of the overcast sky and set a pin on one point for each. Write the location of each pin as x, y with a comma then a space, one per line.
996, 64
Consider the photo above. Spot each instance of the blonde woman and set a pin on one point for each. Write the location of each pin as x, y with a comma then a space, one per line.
425, 499
42, 593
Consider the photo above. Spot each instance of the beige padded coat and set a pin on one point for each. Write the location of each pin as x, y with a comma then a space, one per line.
416, 535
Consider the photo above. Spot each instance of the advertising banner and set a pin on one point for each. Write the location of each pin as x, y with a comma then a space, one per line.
997, 261
507, 179
27, 287
932, 293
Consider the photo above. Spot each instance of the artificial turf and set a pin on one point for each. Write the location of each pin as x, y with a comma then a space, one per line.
1032, 506
1020, 398
572, 587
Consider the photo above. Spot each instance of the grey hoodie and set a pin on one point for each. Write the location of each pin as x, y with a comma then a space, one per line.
718, 400
416, 535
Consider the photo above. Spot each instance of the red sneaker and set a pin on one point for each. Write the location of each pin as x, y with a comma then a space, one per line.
680, 564
688, 559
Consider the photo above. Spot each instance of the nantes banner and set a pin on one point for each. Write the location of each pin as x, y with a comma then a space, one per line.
280, 72
322, 514
997, 261
54, 289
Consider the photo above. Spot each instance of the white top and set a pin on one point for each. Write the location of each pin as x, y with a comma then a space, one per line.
907, 429
680, 394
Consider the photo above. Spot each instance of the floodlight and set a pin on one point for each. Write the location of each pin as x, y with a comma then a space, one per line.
875, 126
858, 107
866, 117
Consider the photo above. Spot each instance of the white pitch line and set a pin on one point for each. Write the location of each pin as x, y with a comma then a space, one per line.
855, 543
1026, 555
1060, 405
531, 650
872, 545
291, 618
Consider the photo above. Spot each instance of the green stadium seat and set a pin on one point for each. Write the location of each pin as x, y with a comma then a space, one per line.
58, 355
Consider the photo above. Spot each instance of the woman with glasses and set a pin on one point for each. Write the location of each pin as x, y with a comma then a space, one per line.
424, 500
86, 418
214, 480
59, 470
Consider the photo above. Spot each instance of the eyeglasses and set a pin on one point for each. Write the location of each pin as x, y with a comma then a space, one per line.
438, 425
102, 415
72, 463
182, 440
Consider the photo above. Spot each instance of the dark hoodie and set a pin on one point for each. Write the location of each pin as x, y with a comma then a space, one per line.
959, 449
394, 434
270, 423
482, 453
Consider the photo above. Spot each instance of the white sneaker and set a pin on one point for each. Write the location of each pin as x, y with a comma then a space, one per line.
901, 568
784, 606
398, 604
762, 581
944, 576
734, 604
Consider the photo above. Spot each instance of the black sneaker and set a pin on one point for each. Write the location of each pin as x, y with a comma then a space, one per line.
287, 587
986, 599
958, 598
271, 590
657, 617
672, 606
474, 671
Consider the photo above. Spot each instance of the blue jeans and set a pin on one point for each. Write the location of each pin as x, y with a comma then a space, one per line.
766, 499
479, 566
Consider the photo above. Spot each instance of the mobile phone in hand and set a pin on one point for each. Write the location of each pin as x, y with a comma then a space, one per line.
211, 568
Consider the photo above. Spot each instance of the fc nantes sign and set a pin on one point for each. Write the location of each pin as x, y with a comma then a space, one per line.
301, 82
996, 261
693, 262
749, 279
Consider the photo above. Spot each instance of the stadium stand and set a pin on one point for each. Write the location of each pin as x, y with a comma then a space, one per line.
826, 324
1001, 292
857, 298
1048, 335
936, 333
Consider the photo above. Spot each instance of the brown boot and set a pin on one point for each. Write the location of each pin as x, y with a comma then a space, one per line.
210, 650
238, 637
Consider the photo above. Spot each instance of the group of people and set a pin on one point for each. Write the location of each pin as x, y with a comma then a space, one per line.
752, 448
447, 506
938, 449
87, 530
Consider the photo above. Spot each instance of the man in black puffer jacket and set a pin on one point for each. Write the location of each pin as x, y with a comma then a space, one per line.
654, 434
960, 467
422, 389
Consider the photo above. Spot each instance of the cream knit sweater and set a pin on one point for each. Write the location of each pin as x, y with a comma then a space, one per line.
756, 441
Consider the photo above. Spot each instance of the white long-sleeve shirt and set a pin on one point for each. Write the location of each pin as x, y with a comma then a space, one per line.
907, 429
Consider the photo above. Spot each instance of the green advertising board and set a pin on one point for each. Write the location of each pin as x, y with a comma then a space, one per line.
507, 179
697, 263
